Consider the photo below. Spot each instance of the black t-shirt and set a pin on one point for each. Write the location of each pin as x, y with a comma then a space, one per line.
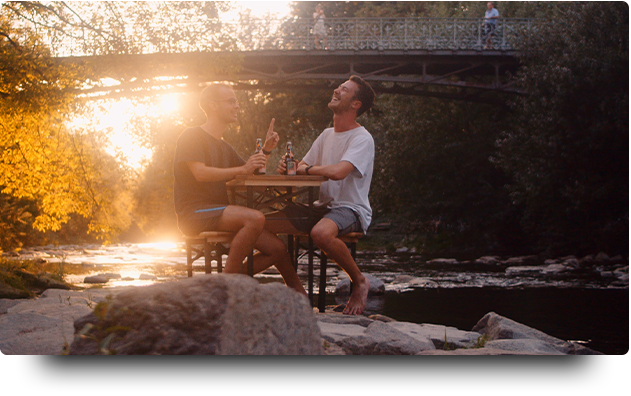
194, 144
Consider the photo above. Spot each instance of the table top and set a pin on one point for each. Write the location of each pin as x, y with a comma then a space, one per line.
277, 181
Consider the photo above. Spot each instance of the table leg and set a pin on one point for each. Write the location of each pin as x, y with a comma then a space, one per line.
250, 204
310, 247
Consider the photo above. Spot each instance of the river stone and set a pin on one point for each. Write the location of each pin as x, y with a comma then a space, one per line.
497, 327
215, 314
96, 279
377, 287
42, 326
522, 260
532, 346
380, 338
488, 260
439, 335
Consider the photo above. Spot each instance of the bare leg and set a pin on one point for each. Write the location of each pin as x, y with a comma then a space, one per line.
324, 235
274, 252
248, 225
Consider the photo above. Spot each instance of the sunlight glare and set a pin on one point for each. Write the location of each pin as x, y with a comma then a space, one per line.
159, 245
258, 9
169, 104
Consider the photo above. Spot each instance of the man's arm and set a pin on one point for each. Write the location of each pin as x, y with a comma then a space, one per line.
203, 173
334, 172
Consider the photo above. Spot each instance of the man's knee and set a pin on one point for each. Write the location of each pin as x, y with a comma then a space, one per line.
235, 218
324, 232
255, 219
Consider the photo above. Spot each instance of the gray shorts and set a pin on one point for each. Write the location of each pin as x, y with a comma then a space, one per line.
200, 220
304, 219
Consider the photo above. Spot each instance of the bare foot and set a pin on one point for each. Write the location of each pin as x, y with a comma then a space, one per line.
357, 302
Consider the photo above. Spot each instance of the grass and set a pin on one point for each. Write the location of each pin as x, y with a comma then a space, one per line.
30, 277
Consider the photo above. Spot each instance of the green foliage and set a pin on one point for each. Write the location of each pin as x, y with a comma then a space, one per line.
567, 145
433, 174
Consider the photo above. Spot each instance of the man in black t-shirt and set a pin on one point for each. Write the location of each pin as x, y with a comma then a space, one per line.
202, 166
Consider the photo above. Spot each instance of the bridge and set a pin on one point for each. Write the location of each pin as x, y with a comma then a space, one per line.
413, 56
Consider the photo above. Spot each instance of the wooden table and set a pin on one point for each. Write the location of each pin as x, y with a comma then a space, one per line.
273, 190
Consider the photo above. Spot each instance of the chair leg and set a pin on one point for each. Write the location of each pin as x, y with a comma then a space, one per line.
208, 249
189, 259
310, 281
322, 291
290, 249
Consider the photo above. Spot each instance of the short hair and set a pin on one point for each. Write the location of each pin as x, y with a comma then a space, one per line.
365, 94
210, 93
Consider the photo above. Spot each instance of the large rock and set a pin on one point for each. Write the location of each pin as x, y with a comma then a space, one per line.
441, 336
214, 314
497, 327
358, 335
44, 325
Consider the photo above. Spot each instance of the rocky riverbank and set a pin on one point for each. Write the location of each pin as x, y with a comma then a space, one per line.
52, 324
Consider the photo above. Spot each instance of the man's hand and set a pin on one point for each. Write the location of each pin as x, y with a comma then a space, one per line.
271, 139
255, 162
282, 168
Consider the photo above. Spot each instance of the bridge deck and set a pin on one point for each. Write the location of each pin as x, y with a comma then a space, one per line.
404, 55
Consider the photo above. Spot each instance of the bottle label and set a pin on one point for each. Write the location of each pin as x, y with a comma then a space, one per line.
291, 168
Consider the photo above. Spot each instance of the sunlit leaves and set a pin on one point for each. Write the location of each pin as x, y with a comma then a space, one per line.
127, 27
60, 171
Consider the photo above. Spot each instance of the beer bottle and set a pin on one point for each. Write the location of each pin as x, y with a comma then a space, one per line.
290, 162
259, 148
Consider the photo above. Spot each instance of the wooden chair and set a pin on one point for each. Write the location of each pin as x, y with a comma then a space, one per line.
350, 239
212, 248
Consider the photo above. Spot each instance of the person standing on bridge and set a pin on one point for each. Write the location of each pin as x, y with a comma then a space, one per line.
345, 154
490, 23
203, 164
319, 30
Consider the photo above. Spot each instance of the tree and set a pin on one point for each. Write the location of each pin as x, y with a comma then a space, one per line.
41, 160
567, 145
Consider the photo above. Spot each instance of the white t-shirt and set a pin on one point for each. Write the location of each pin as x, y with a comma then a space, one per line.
357, 147
488, 14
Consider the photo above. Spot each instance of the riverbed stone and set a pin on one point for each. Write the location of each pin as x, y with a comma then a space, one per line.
44, 325
441, 336
377, 287
530, 346
213, 314
497, 327
96, 279
488, 260
528, 269
522, 260
443, 261
554, 269
381, 339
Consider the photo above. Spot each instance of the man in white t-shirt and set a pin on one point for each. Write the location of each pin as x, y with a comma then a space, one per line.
345, 154
490, 23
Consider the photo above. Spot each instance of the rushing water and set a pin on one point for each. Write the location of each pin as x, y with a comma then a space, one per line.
588, 307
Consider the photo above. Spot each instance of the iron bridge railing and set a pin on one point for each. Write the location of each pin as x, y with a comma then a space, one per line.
380, 34
356, 34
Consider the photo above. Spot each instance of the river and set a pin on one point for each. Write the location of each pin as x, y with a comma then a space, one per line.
589, 307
